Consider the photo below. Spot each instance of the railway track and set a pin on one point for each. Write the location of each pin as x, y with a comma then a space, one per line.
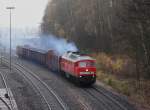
110, 98
122, 101
51, 99
107, 99
8, 95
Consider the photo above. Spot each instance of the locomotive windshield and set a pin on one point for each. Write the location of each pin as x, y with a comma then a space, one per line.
86, 64
82, 64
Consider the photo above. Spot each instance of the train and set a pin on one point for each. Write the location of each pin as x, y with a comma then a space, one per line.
73, 65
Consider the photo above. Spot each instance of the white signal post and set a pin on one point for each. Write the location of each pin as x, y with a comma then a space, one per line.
10, 8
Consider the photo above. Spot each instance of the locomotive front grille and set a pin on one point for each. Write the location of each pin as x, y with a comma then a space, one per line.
88, 79
87, 72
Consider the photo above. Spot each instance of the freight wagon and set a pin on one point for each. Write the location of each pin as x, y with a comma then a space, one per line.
33, 54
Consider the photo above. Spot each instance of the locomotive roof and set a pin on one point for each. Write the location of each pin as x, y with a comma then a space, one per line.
75, 57
35, 49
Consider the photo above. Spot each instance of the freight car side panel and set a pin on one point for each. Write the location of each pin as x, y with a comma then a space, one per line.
32, 54
40, 57
52, 61
37, 56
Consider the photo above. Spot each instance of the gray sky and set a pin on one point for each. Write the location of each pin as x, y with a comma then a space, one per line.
28, 13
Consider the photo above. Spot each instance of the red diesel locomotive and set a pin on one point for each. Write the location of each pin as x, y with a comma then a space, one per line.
80, 68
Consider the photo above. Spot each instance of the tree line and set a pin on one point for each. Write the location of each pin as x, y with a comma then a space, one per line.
111, 26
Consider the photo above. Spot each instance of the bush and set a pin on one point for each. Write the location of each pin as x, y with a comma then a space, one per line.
115, 64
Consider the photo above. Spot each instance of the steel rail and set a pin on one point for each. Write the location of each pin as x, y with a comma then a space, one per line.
42, 82
5, 103
98, 99
109, 97
7, 91
49, 89
48, 105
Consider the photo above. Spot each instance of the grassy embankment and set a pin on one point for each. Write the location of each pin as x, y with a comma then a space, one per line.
119, 72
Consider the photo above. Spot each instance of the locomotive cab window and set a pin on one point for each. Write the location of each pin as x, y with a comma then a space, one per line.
90, 64
86, 64
82, 64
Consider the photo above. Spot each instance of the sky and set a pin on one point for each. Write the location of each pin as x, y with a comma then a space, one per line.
27, 13
26, 18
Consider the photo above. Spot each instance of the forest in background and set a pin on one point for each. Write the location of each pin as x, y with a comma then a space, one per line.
119, 29
110, 26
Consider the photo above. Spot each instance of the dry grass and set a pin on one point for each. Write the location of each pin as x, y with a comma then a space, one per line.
115, 64
122, 86
118, 71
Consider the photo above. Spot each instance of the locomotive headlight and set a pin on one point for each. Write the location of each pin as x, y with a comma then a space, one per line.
87, 70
